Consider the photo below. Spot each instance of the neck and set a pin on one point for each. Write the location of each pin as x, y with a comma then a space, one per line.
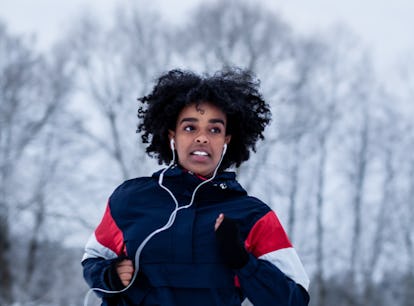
201, 177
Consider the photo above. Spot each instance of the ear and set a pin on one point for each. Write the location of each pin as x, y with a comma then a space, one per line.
171, 134
227, 139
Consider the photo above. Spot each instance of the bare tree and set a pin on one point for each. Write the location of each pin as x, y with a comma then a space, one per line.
323, 83
117, 65
300, 115
19, 67
405, 137
408, 234
33, 90
235, 33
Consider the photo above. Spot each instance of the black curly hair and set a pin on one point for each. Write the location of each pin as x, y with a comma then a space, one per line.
233, 90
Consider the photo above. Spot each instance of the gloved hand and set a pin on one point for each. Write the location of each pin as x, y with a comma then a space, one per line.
230, 245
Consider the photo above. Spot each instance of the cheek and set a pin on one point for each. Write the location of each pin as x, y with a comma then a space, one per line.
219, 149
180, 146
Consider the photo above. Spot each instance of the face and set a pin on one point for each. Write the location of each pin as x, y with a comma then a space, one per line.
199, 136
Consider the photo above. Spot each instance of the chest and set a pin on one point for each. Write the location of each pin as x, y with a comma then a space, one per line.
186, 236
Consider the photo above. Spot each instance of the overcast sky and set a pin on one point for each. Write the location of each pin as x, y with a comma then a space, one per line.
384, 26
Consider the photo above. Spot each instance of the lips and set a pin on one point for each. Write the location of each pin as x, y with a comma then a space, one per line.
200, 153
200, 156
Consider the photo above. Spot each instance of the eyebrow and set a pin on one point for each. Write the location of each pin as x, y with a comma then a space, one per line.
191, 119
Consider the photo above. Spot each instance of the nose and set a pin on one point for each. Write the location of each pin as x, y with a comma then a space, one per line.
201, 139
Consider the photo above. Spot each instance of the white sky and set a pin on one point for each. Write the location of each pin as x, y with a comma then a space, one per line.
384, 26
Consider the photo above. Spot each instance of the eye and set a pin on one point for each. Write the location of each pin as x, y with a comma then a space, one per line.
188, 128
215, 130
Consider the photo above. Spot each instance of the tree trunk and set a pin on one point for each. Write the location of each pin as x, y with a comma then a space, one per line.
320, 283
360, 176
5, 264
293, 191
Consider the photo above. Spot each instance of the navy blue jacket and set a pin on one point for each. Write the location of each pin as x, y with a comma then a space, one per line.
182, 266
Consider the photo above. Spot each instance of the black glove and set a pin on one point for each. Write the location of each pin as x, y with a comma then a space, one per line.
230, 245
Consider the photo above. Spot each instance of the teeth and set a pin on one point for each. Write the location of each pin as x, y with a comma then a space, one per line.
200, 153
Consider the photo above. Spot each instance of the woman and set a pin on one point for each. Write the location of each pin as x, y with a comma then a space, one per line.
190, 234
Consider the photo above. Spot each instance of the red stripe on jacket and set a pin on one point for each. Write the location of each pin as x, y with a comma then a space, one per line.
109, 235
267, 235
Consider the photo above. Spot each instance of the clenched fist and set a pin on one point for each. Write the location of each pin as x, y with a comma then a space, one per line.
125, 271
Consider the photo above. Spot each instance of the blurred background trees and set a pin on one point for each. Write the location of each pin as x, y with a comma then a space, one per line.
337, 164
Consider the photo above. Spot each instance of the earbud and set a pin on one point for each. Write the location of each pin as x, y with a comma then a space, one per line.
172, 142
224, 149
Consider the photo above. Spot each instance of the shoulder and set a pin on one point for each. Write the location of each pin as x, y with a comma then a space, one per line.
255, 205
132, 187
249, 211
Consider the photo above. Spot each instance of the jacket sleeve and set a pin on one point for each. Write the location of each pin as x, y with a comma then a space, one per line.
274, 274
103, 249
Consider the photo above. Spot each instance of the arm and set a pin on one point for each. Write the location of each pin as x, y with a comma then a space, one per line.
268, 268
104, 263
264, 284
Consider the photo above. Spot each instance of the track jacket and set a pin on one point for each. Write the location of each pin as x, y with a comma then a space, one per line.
182, 266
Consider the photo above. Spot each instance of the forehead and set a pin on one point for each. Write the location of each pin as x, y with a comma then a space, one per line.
204, 109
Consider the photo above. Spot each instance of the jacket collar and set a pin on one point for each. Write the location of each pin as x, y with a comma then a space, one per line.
223, 180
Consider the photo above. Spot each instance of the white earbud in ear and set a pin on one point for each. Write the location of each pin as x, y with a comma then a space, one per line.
224, 149
172, 142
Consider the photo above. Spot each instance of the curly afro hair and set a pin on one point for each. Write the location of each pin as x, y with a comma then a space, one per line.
233, 90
